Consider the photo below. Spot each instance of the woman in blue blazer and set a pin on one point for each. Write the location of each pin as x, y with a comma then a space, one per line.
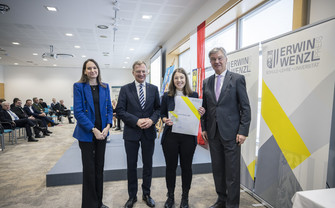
175, 144
94, 114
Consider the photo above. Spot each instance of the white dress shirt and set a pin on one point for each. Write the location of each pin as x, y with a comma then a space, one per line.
137, 84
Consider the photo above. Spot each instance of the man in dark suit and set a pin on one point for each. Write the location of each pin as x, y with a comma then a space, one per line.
31, 111
139, 106
225, 126
9, 116
61, 110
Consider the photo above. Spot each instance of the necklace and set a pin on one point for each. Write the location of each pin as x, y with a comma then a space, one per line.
93, 87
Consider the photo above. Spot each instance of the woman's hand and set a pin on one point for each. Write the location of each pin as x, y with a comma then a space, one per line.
167, 121
98, 135
105, 131
201, 111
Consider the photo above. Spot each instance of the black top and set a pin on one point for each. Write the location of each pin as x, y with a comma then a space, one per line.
95, 94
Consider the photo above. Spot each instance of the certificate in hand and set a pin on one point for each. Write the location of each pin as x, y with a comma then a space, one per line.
185, 116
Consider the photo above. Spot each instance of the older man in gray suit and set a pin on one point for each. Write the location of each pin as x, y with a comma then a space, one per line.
225, 126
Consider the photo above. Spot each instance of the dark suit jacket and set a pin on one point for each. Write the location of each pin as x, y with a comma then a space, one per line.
20, 112
5, 117
83, 109
29, 113
167, 105
129, 110
231, 112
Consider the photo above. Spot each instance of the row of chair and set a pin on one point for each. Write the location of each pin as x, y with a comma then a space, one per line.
12, 135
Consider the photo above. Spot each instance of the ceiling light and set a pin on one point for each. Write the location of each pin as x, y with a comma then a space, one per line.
4, 8
16, 64
77, 46
35, 54
69, 34
125, 62
127, 57
0, 57
123, 67
147, 17
51, 9
54, 65
15, 43
102, 27
131, 49
136, 38
45, 59
83, 56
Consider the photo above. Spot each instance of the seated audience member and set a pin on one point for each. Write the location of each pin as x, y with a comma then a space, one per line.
37, 106
52, 109
116, 120
43, 104
39, 124
61, 110
28, 108
7, 115
13, 104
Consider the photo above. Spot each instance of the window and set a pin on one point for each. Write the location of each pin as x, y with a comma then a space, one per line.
225, 38
273, 19
184, 62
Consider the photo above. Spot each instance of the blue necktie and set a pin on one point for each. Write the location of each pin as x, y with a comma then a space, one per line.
13, 114
142, 100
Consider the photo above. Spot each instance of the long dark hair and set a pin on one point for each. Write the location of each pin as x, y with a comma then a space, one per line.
172, 88
84, 78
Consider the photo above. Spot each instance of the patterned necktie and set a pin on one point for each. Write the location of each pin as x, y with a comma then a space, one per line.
142, 100
13, 115
218, 85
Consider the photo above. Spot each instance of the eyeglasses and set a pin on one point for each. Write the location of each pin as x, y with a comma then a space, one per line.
215, 59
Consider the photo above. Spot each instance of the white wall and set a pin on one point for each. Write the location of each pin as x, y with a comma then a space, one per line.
2, 80
321, 9
46, 83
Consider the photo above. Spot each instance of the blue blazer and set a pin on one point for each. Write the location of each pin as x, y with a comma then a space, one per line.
83, 108
129, 110
169, 105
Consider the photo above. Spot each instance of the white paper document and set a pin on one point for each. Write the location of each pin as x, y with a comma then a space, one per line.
185, 116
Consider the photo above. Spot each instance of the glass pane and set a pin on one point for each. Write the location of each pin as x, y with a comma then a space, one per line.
226, 39
184, 60
269, 21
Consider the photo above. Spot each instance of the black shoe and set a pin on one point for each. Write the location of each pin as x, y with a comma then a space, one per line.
117, 129
148, 200
169, 202
46, 134
49, 132
30, 139
71, 122
39, 136
104, 206
130, 203
184, 203
218, 204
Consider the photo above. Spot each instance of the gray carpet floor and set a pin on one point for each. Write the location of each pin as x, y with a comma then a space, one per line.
23, 168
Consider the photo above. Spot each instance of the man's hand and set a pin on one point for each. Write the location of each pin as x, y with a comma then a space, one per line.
201, 111
144, 123
240, 139
204, 135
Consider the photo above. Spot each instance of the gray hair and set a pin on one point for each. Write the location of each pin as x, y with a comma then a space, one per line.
217, 49
138, 63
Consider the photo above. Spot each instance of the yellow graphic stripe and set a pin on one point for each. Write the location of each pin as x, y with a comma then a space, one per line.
287, 137
191, 106
251, 169
174, 114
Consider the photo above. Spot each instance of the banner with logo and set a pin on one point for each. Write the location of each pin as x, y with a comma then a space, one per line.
166, 80
246, 62
297, 102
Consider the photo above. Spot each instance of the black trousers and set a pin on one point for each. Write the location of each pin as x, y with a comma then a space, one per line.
66, 113
225, 155
182, 146
132, 147
26, 123
93, 160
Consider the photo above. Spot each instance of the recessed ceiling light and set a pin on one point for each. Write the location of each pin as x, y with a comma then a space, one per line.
77, 46
51, 9
102, 27
69, 34
15, 43
147, 17
83, 56
125, 62
131, 49
35, 54
136, 38
127, 57
0, 57
54, 65
45, 59
16, 64
123, 67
